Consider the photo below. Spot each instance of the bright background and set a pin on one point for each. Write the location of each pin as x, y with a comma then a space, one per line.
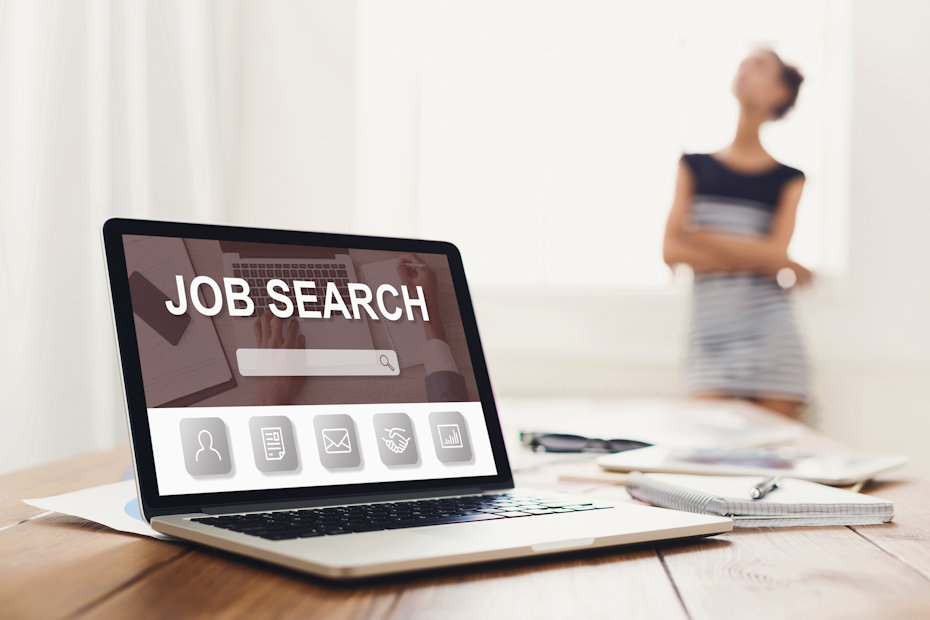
539, 135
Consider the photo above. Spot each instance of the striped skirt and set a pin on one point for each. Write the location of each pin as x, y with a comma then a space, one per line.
743, 340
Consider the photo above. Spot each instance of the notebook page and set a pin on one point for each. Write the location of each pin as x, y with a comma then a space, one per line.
645, 487
792, 497
808, 520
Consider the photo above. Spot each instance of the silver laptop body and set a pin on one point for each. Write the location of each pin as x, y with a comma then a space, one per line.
384, 470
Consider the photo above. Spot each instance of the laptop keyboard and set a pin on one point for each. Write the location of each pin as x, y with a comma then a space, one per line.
308, 523
257, 275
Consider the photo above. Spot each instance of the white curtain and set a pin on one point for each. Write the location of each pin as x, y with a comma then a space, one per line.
182, 110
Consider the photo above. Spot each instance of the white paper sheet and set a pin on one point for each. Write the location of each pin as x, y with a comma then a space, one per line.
113, 505
197, 362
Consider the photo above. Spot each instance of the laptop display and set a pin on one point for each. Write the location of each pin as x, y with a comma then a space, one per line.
280, 366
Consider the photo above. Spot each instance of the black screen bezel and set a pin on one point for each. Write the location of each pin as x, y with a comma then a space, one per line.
154, 504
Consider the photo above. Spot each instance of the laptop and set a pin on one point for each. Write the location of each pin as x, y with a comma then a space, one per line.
308, 445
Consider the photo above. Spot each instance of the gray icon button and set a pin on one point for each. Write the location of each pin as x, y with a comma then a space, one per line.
273, 443
337, 441
450, 436
396, 441
205, 446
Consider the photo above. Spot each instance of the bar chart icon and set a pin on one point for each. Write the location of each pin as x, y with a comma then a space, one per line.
450, 436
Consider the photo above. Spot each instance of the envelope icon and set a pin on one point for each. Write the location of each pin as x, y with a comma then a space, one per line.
336, 441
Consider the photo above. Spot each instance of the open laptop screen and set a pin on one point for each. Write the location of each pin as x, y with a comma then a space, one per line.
275, 366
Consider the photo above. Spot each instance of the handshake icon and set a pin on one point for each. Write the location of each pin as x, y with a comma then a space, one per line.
396, 441
397, 444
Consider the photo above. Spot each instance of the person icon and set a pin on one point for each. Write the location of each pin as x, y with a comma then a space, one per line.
206, 445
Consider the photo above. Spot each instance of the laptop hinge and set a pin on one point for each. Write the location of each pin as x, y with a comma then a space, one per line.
341, 501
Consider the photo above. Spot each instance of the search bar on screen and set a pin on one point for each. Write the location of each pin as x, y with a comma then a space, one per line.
317, 362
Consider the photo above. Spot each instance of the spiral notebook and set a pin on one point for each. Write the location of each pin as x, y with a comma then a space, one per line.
795, 502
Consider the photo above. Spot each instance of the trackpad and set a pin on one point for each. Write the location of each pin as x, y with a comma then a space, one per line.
521, 532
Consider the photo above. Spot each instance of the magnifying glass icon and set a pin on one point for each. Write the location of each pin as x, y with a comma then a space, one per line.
386, 362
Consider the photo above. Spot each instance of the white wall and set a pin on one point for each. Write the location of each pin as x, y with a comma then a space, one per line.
869, 331
877, 393
867, 327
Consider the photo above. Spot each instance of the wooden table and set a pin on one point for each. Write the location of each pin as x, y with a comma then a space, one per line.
56, 565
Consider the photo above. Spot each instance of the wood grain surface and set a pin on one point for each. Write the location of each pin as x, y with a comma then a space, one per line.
58, 566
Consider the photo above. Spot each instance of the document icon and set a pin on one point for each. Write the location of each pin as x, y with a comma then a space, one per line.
273, 443
337, 441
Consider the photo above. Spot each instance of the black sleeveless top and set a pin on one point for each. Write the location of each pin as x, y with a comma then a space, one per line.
713, 178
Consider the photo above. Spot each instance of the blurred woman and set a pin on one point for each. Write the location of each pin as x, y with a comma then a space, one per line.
731, 220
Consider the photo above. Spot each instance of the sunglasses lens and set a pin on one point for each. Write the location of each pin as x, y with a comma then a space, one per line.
622, 445
561, 443
556, 442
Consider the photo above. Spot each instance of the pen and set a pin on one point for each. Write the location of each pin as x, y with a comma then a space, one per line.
764, 487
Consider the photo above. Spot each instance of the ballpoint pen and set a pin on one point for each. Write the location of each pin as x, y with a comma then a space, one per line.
764, 487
